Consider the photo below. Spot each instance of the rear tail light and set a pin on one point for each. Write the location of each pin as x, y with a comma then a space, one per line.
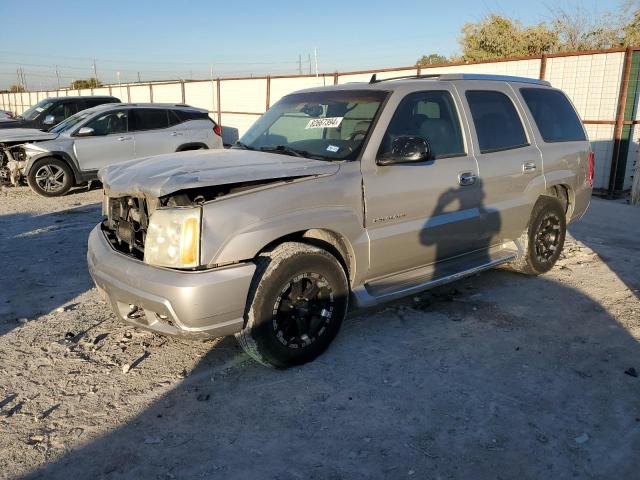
217, 129
592, 159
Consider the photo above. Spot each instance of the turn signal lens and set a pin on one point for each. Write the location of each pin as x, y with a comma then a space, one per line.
189, 247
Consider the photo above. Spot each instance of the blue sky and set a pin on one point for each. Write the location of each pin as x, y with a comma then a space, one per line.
183, 39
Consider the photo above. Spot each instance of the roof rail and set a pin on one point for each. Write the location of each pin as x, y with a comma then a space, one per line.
465, 76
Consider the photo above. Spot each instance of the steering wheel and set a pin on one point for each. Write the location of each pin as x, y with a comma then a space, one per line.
356, 133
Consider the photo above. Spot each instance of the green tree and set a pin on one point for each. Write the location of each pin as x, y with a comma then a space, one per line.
16, 89
498, 37
631, 31
578, 29
432, 59
86, 83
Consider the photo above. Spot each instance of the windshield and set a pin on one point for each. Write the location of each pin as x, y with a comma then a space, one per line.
70, 122
329, 125
33, 112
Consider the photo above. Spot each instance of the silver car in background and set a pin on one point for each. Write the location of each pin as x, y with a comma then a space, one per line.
97, 137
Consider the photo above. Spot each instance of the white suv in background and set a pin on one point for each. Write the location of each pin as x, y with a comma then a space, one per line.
107, 134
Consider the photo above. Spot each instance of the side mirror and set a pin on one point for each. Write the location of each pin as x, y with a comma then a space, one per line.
49, 120
85, 132
406, 149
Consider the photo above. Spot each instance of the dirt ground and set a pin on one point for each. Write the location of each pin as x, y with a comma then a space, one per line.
495, 376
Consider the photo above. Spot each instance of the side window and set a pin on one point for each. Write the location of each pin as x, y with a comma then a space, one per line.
431, 115
108, 123
180, 116
497, 122
148, 119
555, 117
63, 110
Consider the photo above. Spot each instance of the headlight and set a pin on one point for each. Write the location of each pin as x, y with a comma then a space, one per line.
173, 238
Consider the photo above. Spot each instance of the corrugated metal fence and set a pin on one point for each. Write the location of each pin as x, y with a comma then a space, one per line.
604, 86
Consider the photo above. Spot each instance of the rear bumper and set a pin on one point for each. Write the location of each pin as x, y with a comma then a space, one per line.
581, 202
201, 304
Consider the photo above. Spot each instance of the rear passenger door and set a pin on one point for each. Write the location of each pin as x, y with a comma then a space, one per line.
509, 162
151, 133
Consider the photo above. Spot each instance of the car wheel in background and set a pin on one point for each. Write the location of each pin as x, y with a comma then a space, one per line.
296, 304
543, 240
50, 177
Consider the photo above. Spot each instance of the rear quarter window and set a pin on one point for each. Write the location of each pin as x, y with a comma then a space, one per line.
554, 115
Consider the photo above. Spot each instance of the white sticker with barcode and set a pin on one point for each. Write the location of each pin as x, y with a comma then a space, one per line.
329, 122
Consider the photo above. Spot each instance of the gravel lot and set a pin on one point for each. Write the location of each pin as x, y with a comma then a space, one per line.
496, 376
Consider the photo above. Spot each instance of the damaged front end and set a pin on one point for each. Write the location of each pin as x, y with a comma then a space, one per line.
13, 160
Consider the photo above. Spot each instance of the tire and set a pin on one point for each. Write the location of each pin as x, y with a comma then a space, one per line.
283, 326
50, 177
543, 240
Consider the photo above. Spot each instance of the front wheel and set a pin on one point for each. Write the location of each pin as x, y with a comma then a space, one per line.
297, 301
543, 240
50, 177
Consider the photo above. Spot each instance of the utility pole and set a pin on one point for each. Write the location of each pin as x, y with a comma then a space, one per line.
309, 60
300, 64
315, 55
95, 70
58, 76
139, 81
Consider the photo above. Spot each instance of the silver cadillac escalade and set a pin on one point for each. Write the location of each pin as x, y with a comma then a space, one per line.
360, 193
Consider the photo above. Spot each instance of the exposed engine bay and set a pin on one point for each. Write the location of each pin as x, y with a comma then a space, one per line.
12, 162
127, 217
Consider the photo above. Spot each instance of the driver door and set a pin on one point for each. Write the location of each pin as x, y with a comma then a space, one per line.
419, 213
110, 142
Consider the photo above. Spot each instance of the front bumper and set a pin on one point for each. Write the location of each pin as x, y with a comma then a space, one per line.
201, 304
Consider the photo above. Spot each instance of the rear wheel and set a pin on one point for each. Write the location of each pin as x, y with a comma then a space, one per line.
297, 302
543, 240
50, 177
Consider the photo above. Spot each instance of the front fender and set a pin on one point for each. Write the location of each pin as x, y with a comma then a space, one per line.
237, 229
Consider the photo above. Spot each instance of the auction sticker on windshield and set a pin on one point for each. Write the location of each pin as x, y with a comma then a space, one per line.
329, 122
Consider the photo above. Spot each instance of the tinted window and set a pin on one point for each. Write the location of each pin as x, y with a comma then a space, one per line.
63, 110
185, 115
555, 117
148, 119
497, 122
431, 115
108, 123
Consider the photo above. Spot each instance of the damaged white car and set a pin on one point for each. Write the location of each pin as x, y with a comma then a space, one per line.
73, 151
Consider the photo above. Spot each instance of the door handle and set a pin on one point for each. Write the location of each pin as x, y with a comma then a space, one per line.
529, 167
467, 178
122, 139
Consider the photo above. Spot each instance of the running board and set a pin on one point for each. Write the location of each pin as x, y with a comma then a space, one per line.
423, 278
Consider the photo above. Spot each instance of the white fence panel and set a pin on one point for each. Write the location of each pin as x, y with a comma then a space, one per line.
243, 95
601, 137
167, 93
284, 86
201, 95
140, 93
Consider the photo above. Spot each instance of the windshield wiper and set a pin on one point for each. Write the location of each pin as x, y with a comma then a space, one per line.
243, 145
291, 151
